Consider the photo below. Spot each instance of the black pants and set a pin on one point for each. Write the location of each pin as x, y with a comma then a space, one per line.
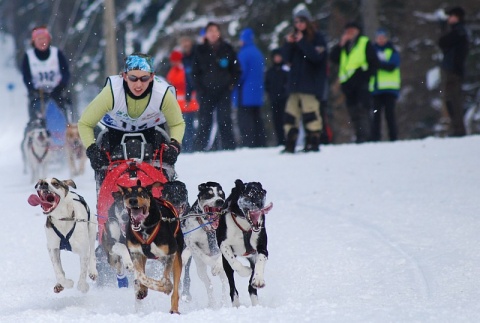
38, 104
358, 102
251, 127
452, 84
278, 114
221, 104
384, 102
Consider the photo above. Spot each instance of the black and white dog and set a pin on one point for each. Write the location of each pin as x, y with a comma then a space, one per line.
68, 227
241, 232
199, 233
35, 149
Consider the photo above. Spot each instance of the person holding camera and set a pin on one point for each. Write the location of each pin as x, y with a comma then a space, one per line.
305, 50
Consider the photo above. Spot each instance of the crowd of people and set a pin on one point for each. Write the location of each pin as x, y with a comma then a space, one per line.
220, 91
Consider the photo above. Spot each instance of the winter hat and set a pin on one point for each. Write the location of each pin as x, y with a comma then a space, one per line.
40, 31
303, 13
176, 56
139, 61
276, 51
456, 11
382, 32
247, 36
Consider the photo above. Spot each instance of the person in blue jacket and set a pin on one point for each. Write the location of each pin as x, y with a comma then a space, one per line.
249, 95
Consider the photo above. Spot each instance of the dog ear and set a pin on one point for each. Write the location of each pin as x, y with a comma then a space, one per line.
239, 185
70, 182
202, 186
117, 195
121, 189
153, 185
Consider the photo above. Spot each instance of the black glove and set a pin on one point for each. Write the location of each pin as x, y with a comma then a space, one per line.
98, 158
171, 152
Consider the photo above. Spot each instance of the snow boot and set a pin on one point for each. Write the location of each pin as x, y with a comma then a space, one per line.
290, 141
122, 281
312, 141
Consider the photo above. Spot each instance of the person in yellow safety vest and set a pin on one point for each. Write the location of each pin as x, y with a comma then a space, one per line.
385, 86
357, 61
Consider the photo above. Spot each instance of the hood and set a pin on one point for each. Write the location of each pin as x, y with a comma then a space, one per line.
247, 36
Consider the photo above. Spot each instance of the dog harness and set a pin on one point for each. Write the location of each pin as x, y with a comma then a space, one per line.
39, 158
65, 240
147, 242
247, 234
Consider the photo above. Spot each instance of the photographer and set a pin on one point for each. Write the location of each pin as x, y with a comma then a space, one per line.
454, 46
305, 50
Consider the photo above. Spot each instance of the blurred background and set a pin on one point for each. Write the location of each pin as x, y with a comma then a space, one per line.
96, 35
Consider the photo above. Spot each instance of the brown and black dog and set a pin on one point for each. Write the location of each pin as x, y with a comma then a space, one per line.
153, 232
75, 150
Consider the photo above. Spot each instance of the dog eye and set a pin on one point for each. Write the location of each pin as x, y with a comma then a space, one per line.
55, 184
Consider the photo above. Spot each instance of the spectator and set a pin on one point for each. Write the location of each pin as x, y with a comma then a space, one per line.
216, 72
305, 51
249, 97
276, 85
357, 61
177, 77
385, 86
45, 74
454, 45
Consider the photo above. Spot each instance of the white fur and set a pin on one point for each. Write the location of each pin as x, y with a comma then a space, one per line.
36, 153
234, 246
197, 244
82, 239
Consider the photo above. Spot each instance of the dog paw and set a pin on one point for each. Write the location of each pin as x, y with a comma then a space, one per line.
83, 287
258, 282
186, 297
217, 269
244, 271
167, 285
58, 288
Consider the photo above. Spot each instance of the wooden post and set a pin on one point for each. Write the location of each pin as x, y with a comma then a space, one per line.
109, 28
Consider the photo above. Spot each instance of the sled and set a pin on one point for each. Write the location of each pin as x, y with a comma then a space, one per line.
131, 161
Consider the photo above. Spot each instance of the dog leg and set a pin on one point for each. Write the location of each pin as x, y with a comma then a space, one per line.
236, 265
139, 260
82, 284
92, 265
258, 279
252, 291
62, 282
177, 273
202, 274
121, 250
231, 282
187, 260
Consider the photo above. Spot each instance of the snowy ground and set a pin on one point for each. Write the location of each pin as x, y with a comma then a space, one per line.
358, 233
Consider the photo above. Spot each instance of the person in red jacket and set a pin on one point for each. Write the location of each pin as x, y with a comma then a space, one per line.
176, 76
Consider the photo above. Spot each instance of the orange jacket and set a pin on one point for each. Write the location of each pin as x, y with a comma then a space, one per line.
176, 77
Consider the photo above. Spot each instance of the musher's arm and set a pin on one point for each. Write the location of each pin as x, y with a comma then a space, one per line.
173, 115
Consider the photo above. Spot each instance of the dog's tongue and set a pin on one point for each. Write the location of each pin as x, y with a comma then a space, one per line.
34, 200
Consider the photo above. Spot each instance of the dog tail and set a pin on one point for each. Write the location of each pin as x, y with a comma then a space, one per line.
163, 285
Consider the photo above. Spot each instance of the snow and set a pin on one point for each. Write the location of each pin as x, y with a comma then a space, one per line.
377, 232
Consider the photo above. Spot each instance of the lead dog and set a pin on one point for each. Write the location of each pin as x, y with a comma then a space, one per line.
75, 150
199, 233
241, 232
35, 149
68, 227
153, 231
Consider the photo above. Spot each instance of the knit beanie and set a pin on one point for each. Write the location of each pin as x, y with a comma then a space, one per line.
303, 13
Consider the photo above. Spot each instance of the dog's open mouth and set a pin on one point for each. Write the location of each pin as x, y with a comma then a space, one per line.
137, 216
255, 215
211, 215
46, 199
